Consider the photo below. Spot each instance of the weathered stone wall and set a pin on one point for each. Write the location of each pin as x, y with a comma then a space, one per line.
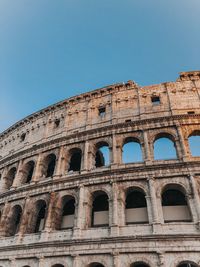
76, 124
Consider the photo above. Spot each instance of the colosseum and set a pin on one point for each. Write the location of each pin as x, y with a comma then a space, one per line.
108, 178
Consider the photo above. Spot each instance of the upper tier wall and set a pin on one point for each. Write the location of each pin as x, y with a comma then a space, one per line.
121, 102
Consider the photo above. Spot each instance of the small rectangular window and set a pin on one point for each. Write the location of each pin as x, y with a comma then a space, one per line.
57, 123
155, 100
102, 112
191, 112
127, 120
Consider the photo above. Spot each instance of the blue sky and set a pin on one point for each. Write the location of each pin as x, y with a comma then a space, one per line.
53, 49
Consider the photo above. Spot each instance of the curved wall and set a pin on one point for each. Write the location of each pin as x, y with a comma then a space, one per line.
54, 181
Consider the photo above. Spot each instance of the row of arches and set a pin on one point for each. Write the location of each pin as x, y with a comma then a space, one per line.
174, 204
135, 264
164, 148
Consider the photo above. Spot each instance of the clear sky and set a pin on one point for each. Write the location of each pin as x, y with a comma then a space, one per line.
53, 49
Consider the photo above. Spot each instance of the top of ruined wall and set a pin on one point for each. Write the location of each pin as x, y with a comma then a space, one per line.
122, 101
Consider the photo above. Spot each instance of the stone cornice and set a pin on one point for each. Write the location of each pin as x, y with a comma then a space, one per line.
109, 240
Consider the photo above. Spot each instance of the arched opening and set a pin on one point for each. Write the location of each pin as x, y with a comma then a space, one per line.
40, 216
95, 264
57, 265
187, 264
102, 157
174, 204
164, 148
75, 160
131, 151
194, 143
14, 222
139, 264
136, 207
28, 171
100, 209
10, 177
50, 165
68, 211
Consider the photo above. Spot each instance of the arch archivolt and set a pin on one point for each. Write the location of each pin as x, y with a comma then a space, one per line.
127, 260
105, 260
66, 261
68, 152
189, 130
54, 151
106, 188
176, 183
27, 160
95, 142
20, 203
135, 185
170, 133
70, 192
136, 136
185, 257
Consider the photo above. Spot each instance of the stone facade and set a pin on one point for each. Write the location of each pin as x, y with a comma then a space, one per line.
80, 125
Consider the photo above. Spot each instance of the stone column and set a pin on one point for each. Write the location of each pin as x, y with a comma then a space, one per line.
196, 196
18, 175
38, 167
182, 143
116, 262
155, 215
13, 262
4, 218
50, 212
161, 259
147, 148
60, 164
149, 209
114, 205
116, 152
41, 262
80, 214
151, 182
86, 157
3, 182
76, 260
24, 218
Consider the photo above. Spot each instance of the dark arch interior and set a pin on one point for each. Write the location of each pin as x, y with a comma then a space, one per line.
29, 168
68, 211
96, 265
187, 265
11, 176
41, 208
51, 163
135, 199
100, 202
173, 197
57, 265
75, 161
15, 220
69, 207
139, 264
99, 207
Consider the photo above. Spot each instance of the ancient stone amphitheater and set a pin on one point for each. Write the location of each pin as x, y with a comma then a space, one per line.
108, 178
